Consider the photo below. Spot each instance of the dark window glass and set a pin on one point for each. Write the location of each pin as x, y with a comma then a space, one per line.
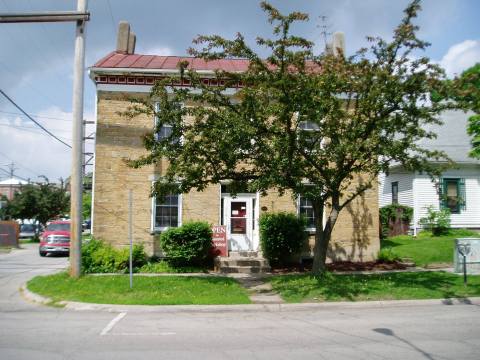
395, 192
306, 210
58, 227
166, 213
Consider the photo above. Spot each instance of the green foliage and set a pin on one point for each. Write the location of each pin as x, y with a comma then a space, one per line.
41, 202
387, 255
392, 212
98, 257
87, 205
369, 110
436, 221
282, 235
187, 245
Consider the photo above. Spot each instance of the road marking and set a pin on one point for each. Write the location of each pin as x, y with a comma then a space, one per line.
112, 323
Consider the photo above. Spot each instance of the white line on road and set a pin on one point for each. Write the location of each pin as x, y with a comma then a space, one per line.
112, 323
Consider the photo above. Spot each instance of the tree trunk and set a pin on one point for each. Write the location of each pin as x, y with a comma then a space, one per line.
323, 235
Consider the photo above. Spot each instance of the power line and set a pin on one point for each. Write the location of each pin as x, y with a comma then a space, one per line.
111, 16
23, 166
28, 116
35, 115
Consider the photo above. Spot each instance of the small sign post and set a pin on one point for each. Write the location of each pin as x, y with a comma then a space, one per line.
219, 240
464, 250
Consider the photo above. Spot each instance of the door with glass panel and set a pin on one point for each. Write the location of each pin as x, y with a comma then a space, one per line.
238, 217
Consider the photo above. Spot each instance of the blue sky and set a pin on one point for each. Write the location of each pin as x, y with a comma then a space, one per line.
36, 60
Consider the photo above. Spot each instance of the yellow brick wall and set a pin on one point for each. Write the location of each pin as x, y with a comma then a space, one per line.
355, 236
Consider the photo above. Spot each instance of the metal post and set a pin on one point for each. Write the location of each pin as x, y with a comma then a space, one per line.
465, 269
76, 185
130, 235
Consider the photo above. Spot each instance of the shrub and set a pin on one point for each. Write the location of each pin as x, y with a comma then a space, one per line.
98, 257
391, 213
282, 235
387, 255
438, 222
188, 245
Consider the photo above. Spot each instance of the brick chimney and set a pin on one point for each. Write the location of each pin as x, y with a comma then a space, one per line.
337, 45
125, 39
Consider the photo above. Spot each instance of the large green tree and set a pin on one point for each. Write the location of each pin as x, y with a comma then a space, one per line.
310, 124
41, 202
467, 93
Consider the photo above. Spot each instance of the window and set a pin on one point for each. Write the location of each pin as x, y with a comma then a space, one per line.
305, 209
308, 126
395, 192
166, 129
452, 194
167, 213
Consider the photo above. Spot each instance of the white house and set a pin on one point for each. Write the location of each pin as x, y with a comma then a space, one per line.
457, 189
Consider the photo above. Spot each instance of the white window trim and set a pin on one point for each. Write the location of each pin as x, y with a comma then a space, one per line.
309, 229
155, 122
154, 210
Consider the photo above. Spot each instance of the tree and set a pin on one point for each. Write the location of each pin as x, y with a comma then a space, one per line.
41, 202
467, 93
366, 111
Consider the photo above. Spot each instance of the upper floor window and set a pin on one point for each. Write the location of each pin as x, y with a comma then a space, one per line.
165, 130
395, 192
452, 194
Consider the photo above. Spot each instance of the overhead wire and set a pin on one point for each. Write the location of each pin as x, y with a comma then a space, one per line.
32, 119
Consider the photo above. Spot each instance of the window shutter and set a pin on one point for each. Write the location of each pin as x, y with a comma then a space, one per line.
442, 193
462, 195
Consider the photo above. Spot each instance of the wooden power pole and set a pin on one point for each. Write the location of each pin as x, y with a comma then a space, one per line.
80, 16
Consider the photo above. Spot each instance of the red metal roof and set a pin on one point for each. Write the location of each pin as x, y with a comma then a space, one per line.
156, 62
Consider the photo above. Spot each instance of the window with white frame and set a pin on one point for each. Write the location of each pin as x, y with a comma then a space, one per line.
166, 213
305, 209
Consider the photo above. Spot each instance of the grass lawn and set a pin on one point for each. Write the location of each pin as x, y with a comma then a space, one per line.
392, 286
161, 290
425, 248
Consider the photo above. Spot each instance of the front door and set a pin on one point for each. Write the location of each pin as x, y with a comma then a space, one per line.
238, 218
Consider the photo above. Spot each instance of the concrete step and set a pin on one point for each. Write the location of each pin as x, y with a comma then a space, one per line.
228, 262
243, 254
244, 269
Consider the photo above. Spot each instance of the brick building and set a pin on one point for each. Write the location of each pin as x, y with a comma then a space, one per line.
122, 75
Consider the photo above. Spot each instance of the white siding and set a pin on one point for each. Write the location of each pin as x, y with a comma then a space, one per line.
405, 188
426, 195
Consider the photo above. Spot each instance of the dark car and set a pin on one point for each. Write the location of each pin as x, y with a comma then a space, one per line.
55, 239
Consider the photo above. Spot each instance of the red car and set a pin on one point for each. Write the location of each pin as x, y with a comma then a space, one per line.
55, 239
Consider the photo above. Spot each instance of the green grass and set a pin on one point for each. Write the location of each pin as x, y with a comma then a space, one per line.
390, 286
164, 267
147, 290
29, 241
426, 249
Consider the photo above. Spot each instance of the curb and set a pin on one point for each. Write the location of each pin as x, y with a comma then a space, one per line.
79, 306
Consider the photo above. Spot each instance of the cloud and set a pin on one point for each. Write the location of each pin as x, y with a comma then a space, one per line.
155, 50
33, 151
460, 57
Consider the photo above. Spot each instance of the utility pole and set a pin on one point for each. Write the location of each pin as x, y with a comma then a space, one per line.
76, 179
80, 16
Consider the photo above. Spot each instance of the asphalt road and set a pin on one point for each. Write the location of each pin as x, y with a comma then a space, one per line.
29, 331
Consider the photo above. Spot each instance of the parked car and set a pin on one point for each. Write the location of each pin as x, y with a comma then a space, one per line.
56, 238
86, 225
29, 230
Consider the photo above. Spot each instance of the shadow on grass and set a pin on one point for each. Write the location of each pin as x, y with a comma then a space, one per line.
352, 287
388, 243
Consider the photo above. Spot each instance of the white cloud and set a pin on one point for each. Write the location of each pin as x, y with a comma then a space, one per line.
460, 57
155, 50
35, 152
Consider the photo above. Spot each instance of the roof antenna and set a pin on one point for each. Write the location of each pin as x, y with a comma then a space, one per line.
325, 33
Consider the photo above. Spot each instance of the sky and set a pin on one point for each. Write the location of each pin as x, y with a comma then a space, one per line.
36, 60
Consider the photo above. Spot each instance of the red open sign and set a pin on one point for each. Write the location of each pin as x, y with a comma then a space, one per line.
219, 240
